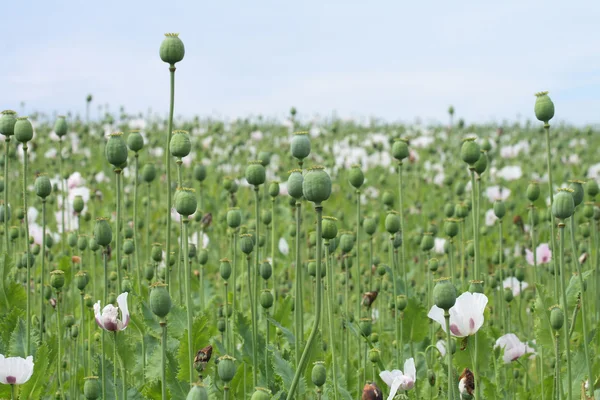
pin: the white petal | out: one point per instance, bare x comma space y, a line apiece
122, 302
409, 368
437, 314
394, 387
284, 248
386, 376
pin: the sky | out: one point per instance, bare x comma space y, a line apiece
396, 60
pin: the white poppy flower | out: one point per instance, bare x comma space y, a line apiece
284, 248
108, 319
513, 347
15, 370
441, 346
466, 316
513, 284
397, 380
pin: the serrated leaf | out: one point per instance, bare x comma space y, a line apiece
177, 388
203, 331
289, 335
16, 346
285, 371
177, 321
34, 388
8, 321
415, 322
543, 332
574, 289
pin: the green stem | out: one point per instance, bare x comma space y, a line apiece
62, 194
449, 357
267, 347
330, 303
103, 331
397, 356
357, 287
13, 394
118, 232
298, 306
28, 266
115, 365
59, 340
558, 390
168, 163
227, 333
82, 324
189, 304
474, 214
401, 212
313, 334
163, 372
180, 271
135, 235
254, 345
43, 253
255, 280
148, 245
561, 228
234, 303
551, 190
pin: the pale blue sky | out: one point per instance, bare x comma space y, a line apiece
393, 59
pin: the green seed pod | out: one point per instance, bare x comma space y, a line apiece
197, 392
8, 209
274, 189
433, 264
128, 247
199, 172
459, 189
225, 268
185, 201
148, 173
74, 331
444, 294
69, 321
544, 107
356, 178
226, 368
300, 145
508, 295
563, 206
81, 280
470, 151
203, 256
47, 292
20, 213
318, 374
499, 209
591, 188
578, 191
294, 183
180, 144
149, 272
160, 300
23, 130
266, 299
13, 232
265, 270
470, 249
330, 229
36, 248
374, 354
234, 218
533, 191
57, 279
43, 187
255, 173
462, 211
246, 243
476, 286
266, 217
427, 242
520, 274
451, 227
116, 150
221, 326
91, 388
102, 232
486, 145
8, 120
261, 394
481, 164
135, 141
172, 49
317, 185
392, 222
557, 317
265, 158
370, 226
60, 126
78, 204
401, 302
449, 210
126, 285
388, 199
365, 326
400, 149
347, 242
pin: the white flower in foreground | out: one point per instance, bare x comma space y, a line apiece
284, 248
513, 284
108, 319
15, 370
466, 316
513, 347
397, 380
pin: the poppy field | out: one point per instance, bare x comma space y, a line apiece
145, 257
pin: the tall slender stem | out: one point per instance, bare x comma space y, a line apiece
551, 190
62, 194
561, 228
28, 264
357, 283
118, 232
252, 311
168, 163
449, 357
59, 340
148, 246
234, 300
105, 256
189, 304
401, 212
255, 278
397, 349
163, 370
330, 304
115, 365
298, 282
135, 233
43, 253
226, 300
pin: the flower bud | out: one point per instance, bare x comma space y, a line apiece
533, 191
203, 256
449, 210
234, 218
8, 120
171, 49
266, 299
226, 368
451, 227
197, 392
102, 232
78, 204
433, 264
185, 201
481, 164
356, 178
91, 388
470, 151
246, 243
180, 144
427, 242
400, 149
225, 268
370, 226
128, 247
508, 295
591, 188
392, 222
557, 317
148, 173
274, 189
347, 242
265, 270
294, 183
43, 187
300, 145
444, 294
563, 206
23, 130
499, 209
149, 272
365, 326
81, 280
544, 108
374, 355
578, 191
135, 141
261, 394
116, 150
160, 300
255, 173
126, 285
401, 302
316, 186
330, 229
318, 374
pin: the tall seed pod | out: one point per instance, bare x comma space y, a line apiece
300, 146
172, 49
316, 186
255, 173
116, 150
544, 107
470, 151
294, 183
180, 144
61, 127
160, 300
102, 232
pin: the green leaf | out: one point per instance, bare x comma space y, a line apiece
34, 388
12, 294
177, 321
574, 288
16, 346
8, 321
542, 329
203, 332
285, 371
177, 388
415, 322
154, 364
289, 335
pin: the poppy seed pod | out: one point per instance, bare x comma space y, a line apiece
91, 388
374, 354
401, 302
81, 280
261, 394
265, 270
128, 247
102, 232
508, 295
481, 164
347, 242
433, 264
78, 204
294, 183
60, 126
451, 227
427, 242
7, 122
116, 150
499, 209
330, 229
578, 192
23, 130
557, 317
544, 107
274, 189
400, 149
444, 294
197, 392
82, 242
172, 49
563, 206
203, 256
160, 300
246, 243
470, 151
265, 158
533, 191
57, 279
318, 374
226, 368
356, 178
476, 286
234, 218
43, 186
255, 173
449, 210
185, 201
266, 299
180, 144
317, 185
148, 173
392, 222
388, 199
93, 243
135, 141
300, 145
370, 226
591, 188
199, 172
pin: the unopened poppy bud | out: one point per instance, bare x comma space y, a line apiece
499, 209
300, 145
557, 317
508, 295
294, 183
481, 164
88, 301
81, 280
78, 204
444, 294
266, 299
172, 49
366, 326
135, 141
43, 187
225, 268
316, 186
544, 107
185, 201
427, 242
149, 272
265, 270
374, 355
451, 227
91, 388
578, 191
102, 232
370, 226
400, 149
8, 120
591, 188
533, 191
347, 242
255, 173
116, 150
180, 144
128, 247
203, 256
246, 243
82, 242
148, 173
160, 300
274, 189
392, 222
433, 264
57, 279
401, 302
356, 178
23, 130
330, 229
226, 368
470, 151
563, 206
318, 374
